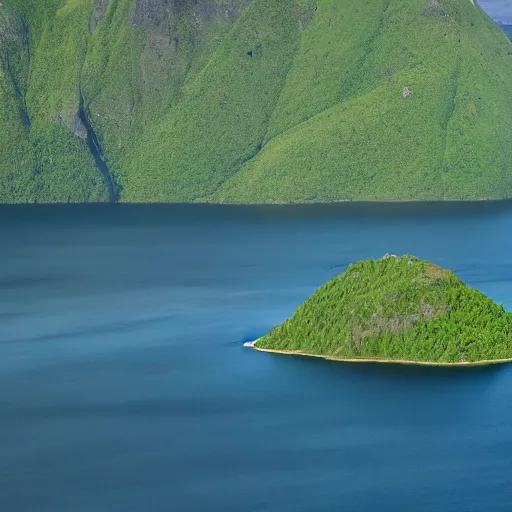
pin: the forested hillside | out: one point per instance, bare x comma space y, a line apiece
253, 101
396, 309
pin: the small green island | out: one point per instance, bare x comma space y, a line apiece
396, 310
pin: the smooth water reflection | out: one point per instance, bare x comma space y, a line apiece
124, 385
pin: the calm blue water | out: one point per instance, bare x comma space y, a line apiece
124, 385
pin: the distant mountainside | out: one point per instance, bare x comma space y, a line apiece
253, 101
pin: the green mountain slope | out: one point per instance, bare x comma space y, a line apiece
253, 101
396, 309
43, 156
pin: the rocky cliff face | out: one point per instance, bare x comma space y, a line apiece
159, 14
98, 11
253, 100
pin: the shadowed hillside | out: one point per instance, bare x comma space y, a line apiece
253, 101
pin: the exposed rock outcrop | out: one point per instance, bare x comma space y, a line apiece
98, 11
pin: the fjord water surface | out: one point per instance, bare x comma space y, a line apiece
124, 385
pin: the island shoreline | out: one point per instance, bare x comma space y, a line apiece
402, 362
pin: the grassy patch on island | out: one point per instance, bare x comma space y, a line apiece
397, 309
